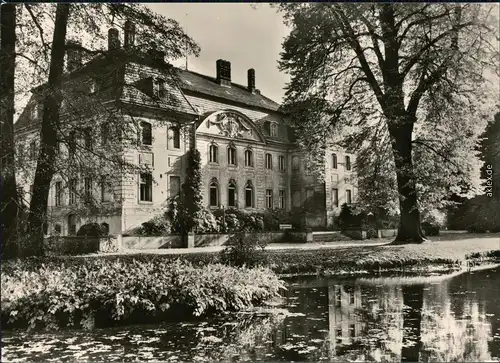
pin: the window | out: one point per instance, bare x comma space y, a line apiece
58, 193
104, 228
159, 87
281, 163
296, 198
248, 158
34, 111
106, 192
231, 155
146, 133
175, 186
348, 196
146, 187
334, 161
282, 199
214, 193
269, 161
309, 193
33, 151
335, 197
295, 163
249, 195
267, 128
231, 194
274, 129
347, 162
87, 137
72, 190
269, 198
57, 229
213, 152
71, 225
104, 134
174, 138
88, 187
72, 144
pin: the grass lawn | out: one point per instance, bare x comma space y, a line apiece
445, 252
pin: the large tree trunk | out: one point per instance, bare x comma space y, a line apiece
9, 207
410, 230
48, 137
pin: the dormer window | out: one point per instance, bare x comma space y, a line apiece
274, 129
92, 86
35, 111
159, 87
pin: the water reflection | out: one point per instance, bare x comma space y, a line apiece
381, 320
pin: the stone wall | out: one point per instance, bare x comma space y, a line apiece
201, 240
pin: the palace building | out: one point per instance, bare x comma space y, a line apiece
249, 156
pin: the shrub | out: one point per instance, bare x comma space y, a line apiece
156, 226
477, 215
89, 230
243, 250
83, 292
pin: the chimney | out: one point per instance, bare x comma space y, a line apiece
157, 55
129, 34
113, 39
251, 80
73, 55
223, 72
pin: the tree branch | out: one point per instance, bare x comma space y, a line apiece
417, 57
37, 24
355, 45
419, 142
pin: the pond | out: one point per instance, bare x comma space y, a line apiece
438, 319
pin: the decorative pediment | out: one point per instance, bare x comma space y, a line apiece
231, 124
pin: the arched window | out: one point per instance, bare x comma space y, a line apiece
334, 161
249, 158
174, 138
249, 195
231, 194
214, 193
146, 133
213, 153
71, 225
231, 154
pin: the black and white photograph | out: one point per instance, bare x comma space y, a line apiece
250, 182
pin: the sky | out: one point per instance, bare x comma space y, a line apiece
245, 35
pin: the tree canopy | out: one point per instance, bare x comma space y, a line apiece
409, 87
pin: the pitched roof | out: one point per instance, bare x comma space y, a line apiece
200, 83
